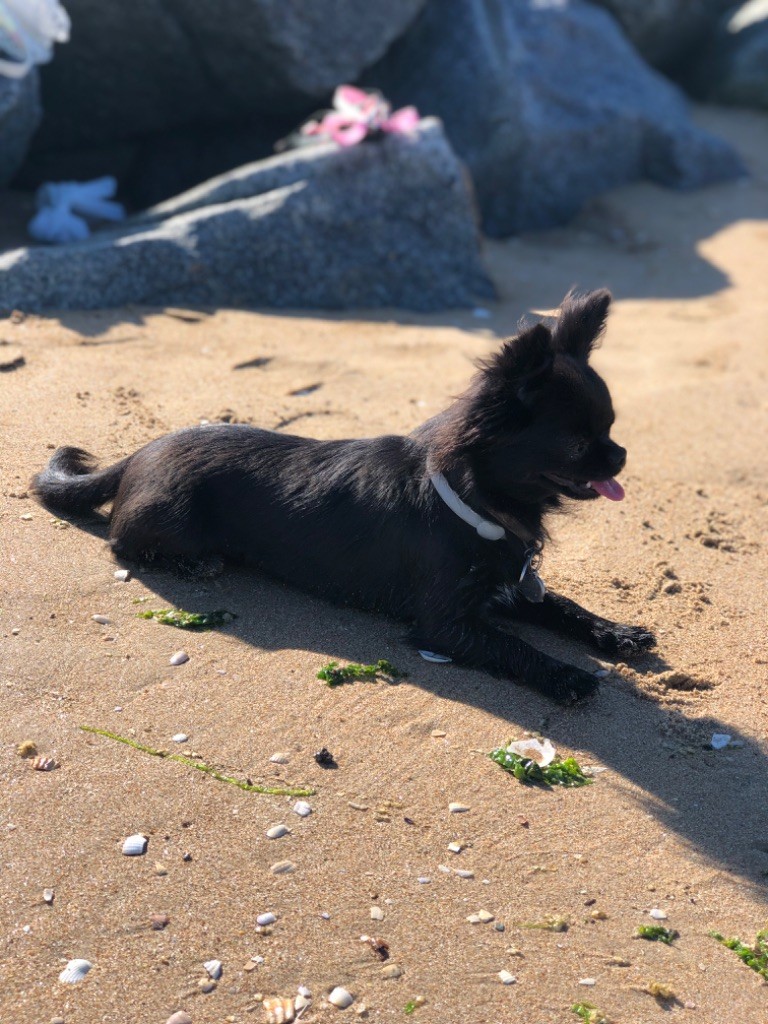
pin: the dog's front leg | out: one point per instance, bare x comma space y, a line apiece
477, 644
564, 616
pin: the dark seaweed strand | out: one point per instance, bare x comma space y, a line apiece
249, 787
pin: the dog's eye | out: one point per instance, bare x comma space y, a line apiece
580, 447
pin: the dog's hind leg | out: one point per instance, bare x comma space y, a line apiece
476, 644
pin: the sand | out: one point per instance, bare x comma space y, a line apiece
668, 824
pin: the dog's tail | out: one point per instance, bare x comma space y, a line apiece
71, 483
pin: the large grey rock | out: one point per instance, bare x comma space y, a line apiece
549, 105
733, 67
666, 31
19, 118
388, 223
144, 66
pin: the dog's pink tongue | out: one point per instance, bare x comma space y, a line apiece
608, 488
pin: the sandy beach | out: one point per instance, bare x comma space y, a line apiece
668, 824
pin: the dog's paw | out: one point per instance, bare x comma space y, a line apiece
568, 684
624, 640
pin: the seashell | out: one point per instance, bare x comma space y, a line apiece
277, 832
301, 1002
455, 847
458, 808
180, 1017
437, 659
48, 896
463, 874
213, 969
540, 751
135, 846
123, 575
75, 971
280, 759
657, 915
588, 982
268, 918
179, 658
279, 1010
283, 867
506, 978
304, 991
27, 749
302, 808
377, 914
180, 737
102, 620
341, 998
44, 764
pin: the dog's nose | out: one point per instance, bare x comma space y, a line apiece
617, 456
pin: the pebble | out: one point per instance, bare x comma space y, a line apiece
283, 867
60, 1020
180, 1017
481, 917
123, 575
280, 759
390, 971
458, 808
463, 874
657, 915
268, 918
179, 658
213, 969
357, 807
48, 896
589, 982
455, 847
206, 985
506, 978
27, 748
302, 808
101, 619
160, 869
341, 998
377, 914
602, 673
423, 880
438, 733
180, 737
135, 846
277, 832
499, 927
159, 921
720, 740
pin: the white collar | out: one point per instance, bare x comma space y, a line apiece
486, 529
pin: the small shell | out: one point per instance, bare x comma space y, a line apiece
657, 915
180, 737
48, 896
301, 1002
264, 919
44, 764
279, 1010
437, 659
277, 832
75, 971
179, 658
123, 575
135, 846
341, 998
458, 808
588, 982
180, 1017
455, 847
302, 808
506, 978
304, 991
283, 867
213, 969
377, 914
540, 751
102, 620
463, 874
280, 759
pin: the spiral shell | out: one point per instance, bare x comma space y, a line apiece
279, 1010
44, 764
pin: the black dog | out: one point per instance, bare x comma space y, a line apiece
442, 528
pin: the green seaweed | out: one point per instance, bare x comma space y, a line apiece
556, 773
188, 620
410, 1007
550, 923
589, 1013
335, 676
249, 787
657, 933
755, 956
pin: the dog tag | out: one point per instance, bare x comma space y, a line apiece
438, 659
531, 586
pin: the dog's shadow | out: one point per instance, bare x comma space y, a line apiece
664, 751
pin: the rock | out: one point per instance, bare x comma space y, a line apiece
20, 114
666, 31
157, 66
733, 66
320, 227
548, 104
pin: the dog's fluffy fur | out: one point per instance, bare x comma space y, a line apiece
359, 521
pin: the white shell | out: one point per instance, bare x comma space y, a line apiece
135, 846
280, 759
377, 914
304, 991
455, 847
48, 895
283, 867
301, 1002
179, 658
437, 659
279, 1010
506, 978
302, 808
277, 832
180, 737
44, 764
102, 620
123, 575
540, 751
180, 1017
268, 918
213, 969
457, 808
588, 982
657, 915
341, 998
75, 971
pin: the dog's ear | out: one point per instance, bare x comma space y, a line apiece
527, 357
580, 322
